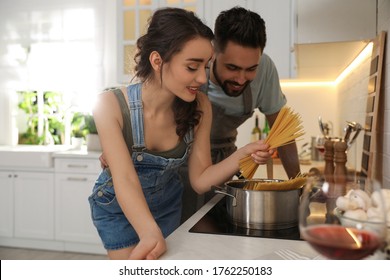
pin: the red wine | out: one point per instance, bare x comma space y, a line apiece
340, 243
321, 149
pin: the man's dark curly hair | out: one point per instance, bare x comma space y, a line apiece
240, 26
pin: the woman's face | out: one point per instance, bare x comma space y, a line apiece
186, 71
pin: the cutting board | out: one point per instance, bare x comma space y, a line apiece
373, 136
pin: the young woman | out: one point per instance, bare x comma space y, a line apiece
147, 130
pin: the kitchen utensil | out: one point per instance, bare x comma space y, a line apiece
352, 127
348, 131
269, 210
324, 130
305, 151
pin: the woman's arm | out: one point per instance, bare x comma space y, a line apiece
202, 173
109, 123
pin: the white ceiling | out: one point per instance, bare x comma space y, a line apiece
325, 61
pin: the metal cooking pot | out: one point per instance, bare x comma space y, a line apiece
266, 210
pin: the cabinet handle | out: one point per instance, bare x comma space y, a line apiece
77, 165
9, 175
15, 176
77, 179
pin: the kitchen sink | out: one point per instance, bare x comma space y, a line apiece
36, 156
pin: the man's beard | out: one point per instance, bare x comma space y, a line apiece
224, 85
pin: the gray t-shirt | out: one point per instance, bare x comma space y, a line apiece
267, 95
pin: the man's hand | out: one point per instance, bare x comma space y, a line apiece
103, 162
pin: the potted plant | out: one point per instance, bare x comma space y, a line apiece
93, 142
79, 131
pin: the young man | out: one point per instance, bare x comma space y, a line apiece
241, 79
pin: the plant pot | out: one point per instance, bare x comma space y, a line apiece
77, 142
93, 143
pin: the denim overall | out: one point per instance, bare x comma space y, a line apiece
160, 183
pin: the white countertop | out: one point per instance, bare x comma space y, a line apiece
78, 153
185, 245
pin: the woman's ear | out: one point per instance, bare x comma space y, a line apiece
155, 60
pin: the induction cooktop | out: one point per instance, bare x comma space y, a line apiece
216, 221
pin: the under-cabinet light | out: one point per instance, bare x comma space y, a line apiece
363, 55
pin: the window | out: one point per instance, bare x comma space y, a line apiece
50, 46
132, 23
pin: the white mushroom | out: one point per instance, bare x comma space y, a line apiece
376, 198
361, 198
374, 214
354, 199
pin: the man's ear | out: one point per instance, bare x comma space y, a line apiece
155, 60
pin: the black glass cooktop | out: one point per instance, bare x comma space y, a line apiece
216, 221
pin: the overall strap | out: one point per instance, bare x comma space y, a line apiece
126, 131
136, 113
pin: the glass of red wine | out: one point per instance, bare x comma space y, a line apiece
343, 218
320, 144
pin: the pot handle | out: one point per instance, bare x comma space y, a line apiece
220, 190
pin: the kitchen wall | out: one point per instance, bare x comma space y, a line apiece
310, 102
351, 105
384, 149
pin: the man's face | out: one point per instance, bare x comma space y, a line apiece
235, 68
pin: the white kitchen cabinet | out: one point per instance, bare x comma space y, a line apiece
47, 208
278, 17
335, 21
7, 204
74, 180
27, 207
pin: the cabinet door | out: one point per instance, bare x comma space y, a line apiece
73, 215
213, 8
34, 205
77, 166
6, 204
278, 17
335, 21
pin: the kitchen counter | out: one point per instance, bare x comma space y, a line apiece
78, 153
185, 245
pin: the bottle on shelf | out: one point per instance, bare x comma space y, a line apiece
256, 131
266, 129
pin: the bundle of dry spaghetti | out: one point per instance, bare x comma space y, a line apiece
286, 128
280, 185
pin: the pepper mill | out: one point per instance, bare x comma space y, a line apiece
329, 164
340, 171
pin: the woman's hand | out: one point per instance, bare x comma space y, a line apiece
259, 151
150, 247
